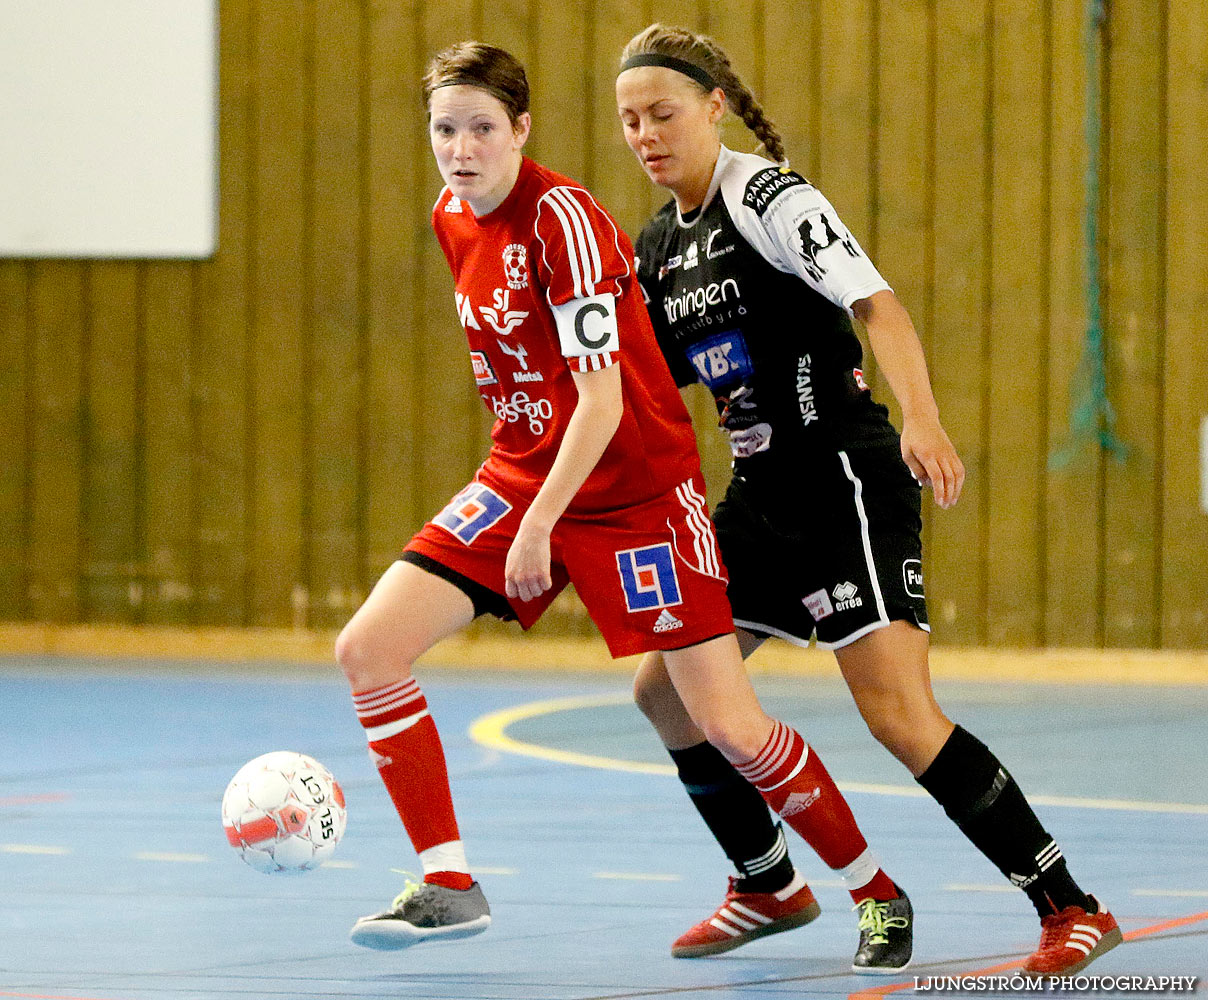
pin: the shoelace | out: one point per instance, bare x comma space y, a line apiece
875, 919
410, 888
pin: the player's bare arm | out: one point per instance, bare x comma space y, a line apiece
926, 447
592, 425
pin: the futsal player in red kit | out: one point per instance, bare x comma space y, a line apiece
592, 478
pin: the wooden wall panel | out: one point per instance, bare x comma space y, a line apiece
334, 527
252, 439
957, 344
15, 398
165, 485
280, 312
1134, 319
1016, 446
789, 84
57, 300
1074, 480
903, 168
613, 173
1184, 527
221, 358
113, 410
396, 224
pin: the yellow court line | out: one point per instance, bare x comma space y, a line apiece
33, 849
497, 648
490, 731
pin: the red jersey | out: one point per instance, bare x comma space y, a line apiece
545, 285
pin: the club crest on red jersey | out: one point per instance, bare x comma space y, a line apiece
515, 266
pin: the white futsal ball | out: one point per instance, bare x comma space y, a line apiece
283, 812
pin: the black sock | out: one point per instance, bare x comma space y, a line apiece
737, 816
982, 799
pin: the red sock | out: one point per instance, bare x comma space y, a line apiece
406, 747
799, 789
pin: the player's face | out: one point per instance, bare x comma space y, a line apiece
671, 128
477, 149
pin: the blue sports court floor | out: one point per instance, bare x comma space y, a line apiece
116, 882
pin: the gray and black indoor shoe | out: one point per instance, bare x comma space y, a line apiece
424, 912
886, 936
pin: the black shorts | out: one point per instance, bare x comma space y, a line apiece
839, 554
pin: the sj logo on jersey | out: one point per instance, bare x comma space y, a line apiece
648, 577
722, 359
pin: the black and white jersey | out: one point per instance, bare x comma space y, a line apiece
752, 297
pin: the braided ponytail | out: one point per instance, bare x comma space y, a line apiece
704, 53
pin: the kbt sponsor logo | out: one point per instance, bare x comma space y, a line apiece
520, 404
845, 595
697, 300
722, 359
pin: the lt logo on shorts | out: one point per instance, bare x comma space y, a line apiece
471, 512
648, 577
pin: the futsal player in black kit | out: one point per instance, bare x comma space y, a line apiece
751, 279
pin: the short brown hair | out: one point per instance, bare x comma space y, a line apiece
488, 67
705, 54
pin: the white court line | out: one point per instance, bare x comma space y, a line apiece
638, 876
33, 849
338, 864
158, 856
488, 870
491, 731
979, 887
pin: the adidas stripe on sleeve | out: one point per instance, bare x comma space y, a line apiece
583, 267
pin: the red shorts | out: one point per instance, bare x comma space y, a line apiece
651, 575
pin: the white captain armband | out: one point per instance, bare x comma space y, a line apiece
588, 326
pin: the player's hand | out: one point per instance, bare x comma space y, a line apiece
932, 459
526, 574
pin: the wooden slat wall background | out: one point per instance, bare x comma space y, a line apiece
251, 439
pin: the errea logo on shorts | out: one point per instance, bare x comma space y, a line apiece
845, 596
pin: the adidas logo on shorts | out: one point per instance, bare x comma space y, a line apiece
667, 622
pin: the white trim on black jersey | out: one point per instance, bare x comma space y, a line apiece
773, 231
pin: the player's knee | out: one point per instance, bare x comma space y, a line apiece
738, 740
894, 730
365, 659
